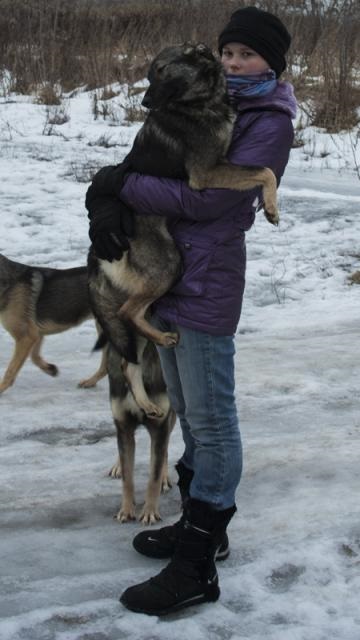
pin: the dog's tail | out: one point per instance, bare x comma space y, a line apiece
115, 332
100, 342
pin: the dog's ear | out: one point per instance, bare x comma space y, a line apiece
188, 48
204, 51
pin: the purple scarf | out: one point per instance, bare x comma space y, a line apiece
256, 85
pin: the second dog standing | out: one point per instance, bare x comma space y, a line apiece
128, 417
40, 301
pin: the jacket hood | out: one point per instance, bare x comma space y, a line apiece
282, 98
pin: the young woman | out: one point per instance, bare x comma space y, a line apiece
204, 308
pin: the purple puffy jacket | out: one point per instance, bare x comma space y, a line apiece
209, 226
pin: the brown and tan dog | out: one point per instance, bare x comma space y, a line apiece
40, 301
128, 417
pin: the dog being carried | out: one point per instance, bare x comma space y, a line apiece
40, 301
186, 134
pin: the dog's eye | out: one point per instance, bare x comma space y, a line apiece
160, 69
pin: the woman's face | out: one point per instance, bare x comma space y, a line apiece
238, 59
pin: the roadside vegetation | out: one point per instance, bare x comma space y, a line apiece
52, 47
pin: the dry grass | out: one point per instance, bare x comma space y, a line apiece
354, 278
48, 95
72, 43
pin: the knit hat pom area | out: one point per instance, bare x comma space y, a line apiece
261, 31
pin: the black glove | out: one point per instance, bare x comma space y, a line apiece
107, 182
112, 223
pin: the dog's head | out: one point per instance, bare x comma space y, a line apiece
184, 73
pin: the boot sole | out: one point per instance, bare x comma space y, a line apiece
219, 556
212, 595
222, 555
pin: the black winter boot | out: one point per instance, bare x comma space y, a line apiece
191, 577
161, 543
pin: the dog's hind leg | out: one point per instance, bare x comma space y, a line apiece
50, 369
230, 176
133, 311
134, 376
23, 347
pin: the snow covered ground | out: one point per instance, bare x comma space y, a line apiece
294, 570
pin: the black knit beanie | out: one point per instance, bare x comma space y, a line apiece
261, 31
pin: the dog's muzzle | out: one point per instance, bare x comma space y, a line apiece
146, 101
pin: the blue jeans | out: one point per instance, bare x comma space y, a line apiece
199, 374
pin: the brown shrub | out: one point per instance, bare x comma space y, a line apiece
74, 43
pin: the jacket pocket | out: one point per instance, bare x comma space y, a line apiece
196, 257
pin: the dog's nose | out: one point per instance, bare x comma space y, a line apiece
146, 101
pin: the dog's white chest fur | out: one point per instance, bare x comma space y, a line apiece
115, 271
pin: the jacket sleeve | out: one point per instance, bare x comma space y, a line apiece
175, 199
266, 143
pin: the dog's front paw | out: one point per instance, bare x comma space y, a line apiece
170, 339
125, 515
165, 484
149, 516
115, 471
